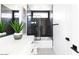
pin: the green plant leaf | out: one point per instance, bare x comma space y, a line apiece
17, 26
2, 27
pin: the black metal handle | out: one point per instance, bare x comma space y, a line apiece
55, 24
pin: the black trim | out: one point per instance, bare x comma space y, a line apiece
74, 48
13, 12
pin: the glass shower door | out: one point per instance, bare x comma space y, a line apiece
42, 25
39, 24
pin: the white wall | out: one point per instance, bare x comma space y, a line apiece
23, 17
40, 7
66, 17
13, 6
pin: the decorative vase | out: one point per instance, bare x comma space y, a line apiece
2, 34
17, 36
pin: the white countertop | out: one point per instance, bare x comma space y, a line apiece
8, 45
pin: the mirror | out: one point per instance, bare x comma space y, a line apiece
7, 16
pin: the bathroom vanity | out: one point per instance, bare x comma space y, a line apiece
10, 46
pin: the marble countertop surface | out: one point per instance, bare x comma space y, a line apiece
8, 45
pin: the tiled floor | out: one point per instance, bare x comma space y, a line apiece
45, 51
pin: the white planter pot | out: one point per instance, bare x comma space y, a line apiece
17, 36
2, 34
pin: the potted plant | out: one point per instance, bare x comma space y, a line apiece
17, 28
2, 29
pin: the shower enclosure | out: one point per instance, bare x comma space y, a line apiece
39, 21
40, 24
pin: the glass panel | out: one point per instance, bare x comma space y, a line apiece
16, 15
40, 15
